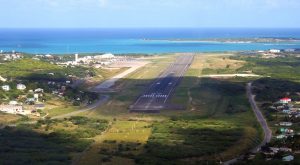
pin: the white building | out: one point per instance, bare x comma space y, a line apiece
289, 50
13, 102
6, 87
13, 109
48, 56
286, 124
104, 56
274, 51
76, 58
288, 158
39, 90
36, 97
21, 86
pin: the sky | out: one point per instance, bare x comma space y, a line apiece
149, 13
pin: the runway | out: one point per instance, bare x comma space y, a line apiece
156, 97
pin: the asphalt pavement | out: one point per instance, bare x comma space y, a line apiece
156, 97
260, 118
262, 121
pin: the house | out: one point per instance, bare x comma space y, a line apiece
13, 103
48, 56
285, 123
6, 87
39, 90
289, 50
281, 136
30, 101
21, 86
274, 51
285, 100
36, 96
285, 149
287, 131
108, 55
288, 158
12, 109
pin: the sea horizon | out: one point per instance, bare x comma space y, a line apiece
139, 40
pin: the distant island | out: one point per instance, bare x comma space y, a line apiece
234, 40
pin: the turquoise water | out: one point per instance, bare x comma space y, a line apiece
59, 41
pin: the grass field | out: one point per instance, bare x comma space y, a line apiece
56, 106
48, 141
119, 144
287, 68
28, 68
102, 75
220, 126
8, 118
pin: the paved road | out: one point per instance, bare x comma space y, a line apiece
260, 118
156, 96
262, 121
101, 101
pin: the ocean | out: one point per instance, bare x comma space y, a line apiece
151, 41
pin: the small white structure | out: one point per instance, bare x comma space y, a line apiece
13, 109
6, 87
286, 124
76, 58
275, 51
39, 90
289, 50
288, 158
21, 86
36, 96
48, 56
108, 55
13, 102
281, 136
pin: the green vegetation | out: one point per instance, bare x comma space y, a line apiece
120, 144
21, 146
278, 68
220, 126
48, 141
218, 123
39, 70
6, 119
271, 90
283, 81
